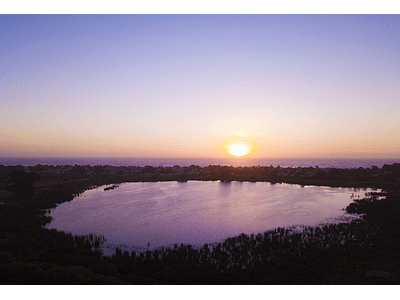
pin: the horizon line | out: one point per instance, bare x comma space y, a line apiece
183, 157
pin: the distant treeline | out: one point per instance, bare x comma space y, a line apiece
387, 176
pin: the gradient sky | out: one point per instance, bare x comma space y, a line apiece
181, 85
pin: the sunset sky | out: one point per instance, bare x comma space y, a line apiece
184, 85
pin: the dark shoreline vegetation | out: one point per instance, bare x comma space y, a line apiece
364, 251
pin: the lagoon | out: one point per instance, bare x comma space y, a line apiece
143, 215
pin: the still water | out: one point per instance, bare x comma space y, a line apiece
196, 212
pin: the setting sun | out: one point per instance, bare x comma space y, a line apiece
238, 149
238, 145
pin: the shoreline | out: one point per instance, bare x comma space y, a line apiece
84, 175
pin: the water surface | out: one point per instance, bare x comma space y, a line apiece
197, 212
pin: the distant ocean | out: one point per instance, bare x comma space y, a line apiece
202, 162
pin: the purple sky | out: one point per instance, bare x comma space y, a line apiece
182, 85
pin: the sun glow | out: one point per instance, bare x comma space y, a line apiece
238, 145
238, 149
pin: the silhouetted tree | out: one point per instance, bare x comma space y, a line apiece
374, 169
98, 169
78, 169
334, 173
225, 173
147, 169
22, 183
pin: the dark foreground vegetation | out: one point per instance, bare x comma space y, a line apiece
364, 251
